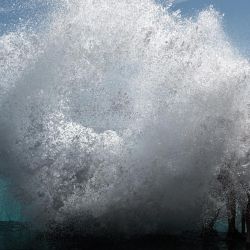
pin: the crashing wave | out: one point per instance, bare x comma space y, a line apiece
118, 110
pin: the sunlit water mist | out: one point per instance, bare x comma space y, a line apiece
116, 113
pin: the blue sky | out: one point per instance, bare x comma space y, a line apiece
236, 19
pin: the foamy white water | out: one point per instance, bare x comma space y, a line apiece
118, 111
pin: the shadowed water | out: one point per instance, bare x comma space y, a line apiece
14, 237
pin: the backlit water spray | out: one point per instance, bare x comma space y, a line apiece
114, 113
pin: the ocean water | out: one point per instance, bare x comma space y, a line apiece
115, 114
26, 240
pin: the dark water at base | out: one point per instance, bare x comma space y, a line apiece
19, 241
17, 238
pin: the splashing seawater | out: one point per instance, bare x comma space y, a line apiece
117, 111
